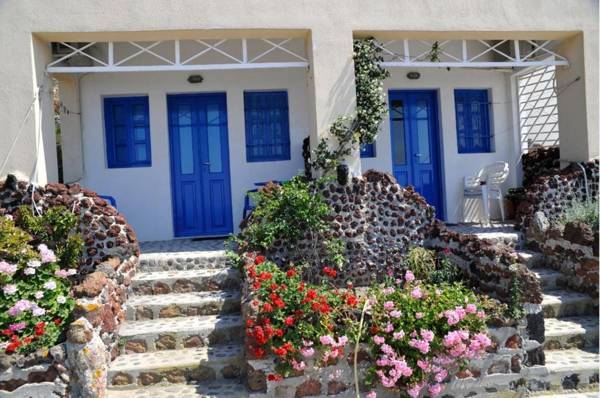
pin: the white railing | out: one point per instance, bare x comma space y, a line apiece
174, 55
470, 53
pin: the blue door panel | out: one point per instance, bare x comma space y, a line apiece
200, 176
415, 143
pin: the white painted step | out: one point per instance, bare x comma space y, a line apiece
572, 361
177, 366
221, 389
562, 303
530, 258
183, 332
548, 277
571, 332
181, 254
182, 281
183, 304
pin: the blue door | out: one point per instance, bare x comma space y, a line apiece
200, 180
415, 143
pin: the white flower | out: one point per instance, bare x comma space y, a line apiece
71, 271
39, 294
8, 217
29, 271
50, 285
61, 299
9, 289
34, 263
37, 311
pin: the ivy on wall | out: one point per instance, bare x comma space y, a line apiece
371, 108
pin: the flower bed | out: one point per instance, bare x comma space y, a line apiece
72, 358
414, 336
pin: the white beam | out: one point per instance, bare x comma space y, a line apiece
166, 68
507, 64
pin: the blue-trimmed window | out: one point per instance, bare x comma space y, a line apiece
367, 150
267, 126
473, 122
127, 127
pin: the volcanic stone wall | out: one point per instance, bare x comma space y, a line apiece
377, 221
540, 161
100, 288
553, 193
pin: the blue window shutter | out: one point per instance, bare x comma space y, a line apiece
127, 129
473, 131
367, 150
267, 126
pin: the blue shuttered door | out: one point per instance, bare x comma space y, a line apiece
200, 177
415, 148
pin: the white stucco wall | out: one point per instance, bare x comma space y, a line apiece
144, 193
455, 165
328, 25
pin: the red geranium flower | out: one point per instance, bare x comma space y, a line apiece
291, 273
274, 377
351, 300
289, 321
7, 332
259, 260
265, 276
267, 307
330, 272
258, 352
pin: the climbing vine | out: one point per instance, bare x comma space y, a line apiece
371, 108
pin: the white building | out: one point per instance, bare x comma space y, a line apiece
178, 154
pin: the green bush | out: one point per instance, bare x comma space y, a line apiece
432, 267
288, 213
37, 256
586, 212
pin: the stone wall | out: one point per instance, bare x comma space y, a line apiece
540, 161
377, 220
553, 193
487, 266
572, 250
100, 289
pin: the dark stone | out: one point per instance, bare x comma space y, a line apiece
570, 382
535, 327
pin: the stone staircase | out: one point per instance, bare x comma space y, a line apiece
571, 318
183, 336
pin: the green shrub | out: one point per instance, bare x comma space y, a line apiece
432, 267
586, 212
37, 256
288, 213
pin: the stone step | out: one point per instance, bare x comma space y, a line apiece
571, 332
176, 333
182, 254
183, 261
561, 303
572, 368
190, 365
183, 304
532, 259
220, 389
195, 280
549, 278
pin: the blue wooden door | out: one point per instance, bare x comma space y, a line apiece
415, 143
200, 178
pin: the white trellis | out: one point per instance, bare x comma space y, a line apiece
233, 53
470, 53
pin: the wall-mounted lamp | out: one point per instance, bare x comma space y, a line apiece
413, 75
194, 79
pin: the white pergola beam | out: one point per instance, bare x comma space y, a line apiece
165, 68
491, 64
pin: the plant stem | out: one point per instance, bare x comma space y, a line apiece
357, 346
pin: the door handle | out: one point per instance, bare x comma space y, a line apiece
418, 155
205, 163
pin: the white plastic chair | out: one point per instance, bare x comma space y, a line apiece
486, 185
